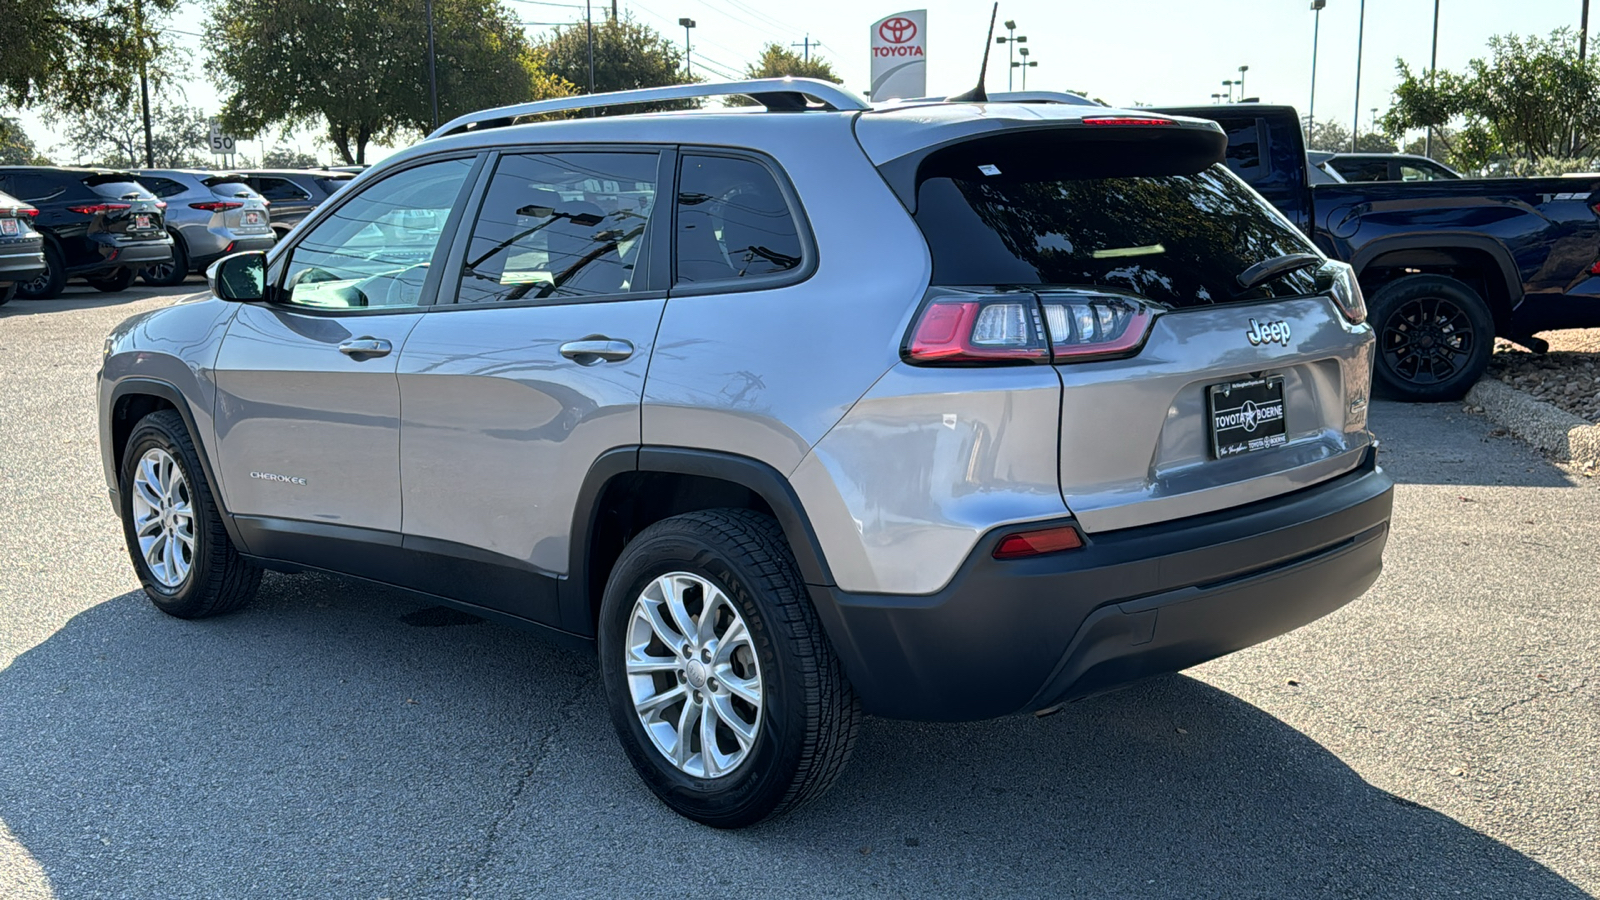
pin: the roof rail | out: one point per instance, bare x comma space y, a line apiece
1062, 97
776, 94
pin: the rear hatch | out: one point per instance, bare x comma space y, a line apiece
122, 208
1209, 355
236, 207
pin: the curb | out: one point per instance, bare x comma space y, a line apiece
1547, 427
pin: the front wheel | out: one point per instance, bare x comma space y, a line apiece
728, 699
1435, 335
173, 527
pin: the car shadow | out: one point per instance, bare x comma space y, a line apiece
340, 740
1439, 443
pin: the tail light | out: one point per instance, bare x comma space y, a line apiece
94, 209
161, 204
216, 205
994, 329
1339, 280
1024, 544
18, 212
1126, 120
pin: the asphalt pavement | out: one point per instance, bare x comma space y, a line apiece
1436, 738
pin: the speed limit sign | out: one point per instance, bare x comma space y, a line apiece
221, 144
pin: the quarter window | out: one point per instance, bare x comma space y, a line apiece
282, 189
733, 222
161, 187
375, 249
559, 226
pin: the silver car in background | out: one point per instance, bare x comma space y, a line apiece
209, 215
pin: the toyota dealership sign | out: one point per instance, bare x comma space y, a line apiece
900, 55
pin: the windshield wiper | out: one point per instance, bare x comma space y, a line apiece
1268, 269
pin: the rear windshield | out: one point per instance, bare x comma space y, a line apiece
116, 189
1180, 239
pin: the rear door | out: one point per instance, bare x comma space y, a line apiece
533, 364
1185, 389
308, 407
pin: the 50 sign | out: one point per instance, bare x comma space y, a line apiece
222, 144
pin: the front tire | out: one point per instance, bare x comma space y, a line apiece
8, 292
1435, 335
173, 528
114, 282
726, 695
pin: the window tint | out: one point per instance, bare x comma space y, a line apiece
331, 185
31, 187
1178, 239
1423, 172
561, 225
1246, 146
116, 190
375, 249
733, 222
282, 189
1362, 169
161, 187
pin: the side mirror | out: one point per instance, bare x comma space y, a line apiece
241, 277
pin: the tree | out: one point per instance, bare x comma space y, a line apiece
1374, 142
1530, 98
112, 134
16, 148
281, 157
776, 62
1328, 135
73, 54
354, 67
627, 55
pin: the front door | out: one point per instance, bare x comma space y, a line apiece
535, 369
308, 408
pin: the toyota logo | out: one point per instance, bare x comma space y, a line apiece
1249, 414
897, 30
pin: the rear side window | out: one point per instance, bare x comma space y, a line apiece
161, 187
1247, 145
282, 189
116, 189
1019, 216
733, 222
561, 226
1362, 169
32, 187
330, 185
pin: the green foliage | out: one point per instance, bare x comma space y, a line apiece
281, 157
1530, 98
112, 134
1373, 142
16, 148
72, 54
359, 68
1330, 136
776, 62
627, 55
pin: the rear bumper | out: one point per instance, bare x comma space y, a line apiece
21, 261
110, 254
216, 246
1025, 635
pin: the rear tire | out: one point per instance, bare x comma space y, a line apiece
1435, 335
179, 547
734, 566
116, 281
172, 272
7, 293
51, 282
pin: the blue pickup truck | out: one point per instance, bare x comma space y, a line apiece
1445, 265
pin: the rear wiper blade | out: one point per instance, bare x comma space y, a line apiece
1268, 269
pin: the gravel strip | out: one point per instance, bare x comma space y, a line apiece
1568, 377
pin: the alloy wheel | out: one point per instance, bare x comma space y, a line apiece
693, 675
1427, 340
163, 517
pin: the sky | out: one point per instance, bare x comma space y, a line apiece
1158, 52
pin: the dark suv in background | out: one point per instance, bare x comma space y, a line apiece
99, 225
294, 193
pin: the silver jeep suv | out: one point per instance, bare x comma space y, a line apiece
944, 410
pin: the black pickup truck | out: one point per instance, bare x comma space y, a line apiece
1445, 265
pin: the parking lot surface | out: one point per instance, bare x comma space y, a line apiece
1435, 738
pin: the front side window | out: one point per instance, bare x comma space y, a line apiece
375, 249
282, 189
561, 226
733, 222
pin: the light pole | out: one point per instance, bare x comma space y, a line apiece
688, 65
433, 78
1216, 98
1026, 65
1228, 83
1240, 82
1316, 32
1355, 119
1011, 42
1433, 63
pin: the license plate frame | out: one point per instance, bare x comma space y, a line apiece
143, 221
10, 227
251, 217
1248, 415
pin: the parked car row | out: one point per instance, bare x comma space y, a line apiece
108, 227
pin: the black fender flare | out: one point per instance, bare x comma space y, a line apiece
167, 391
1448, 241
753, 474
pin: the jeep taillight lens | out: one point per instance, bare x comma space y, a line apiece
1092, 326
1339, 280
975, 329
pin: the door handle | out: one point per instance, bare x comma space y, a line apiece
366, 348
595, 349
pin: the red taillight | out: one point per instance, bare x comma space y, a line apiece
94, 209
216, 205
1595, 269
18, 212
1037, 543
969, 329
161, 204
1086, 326
1126, 120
